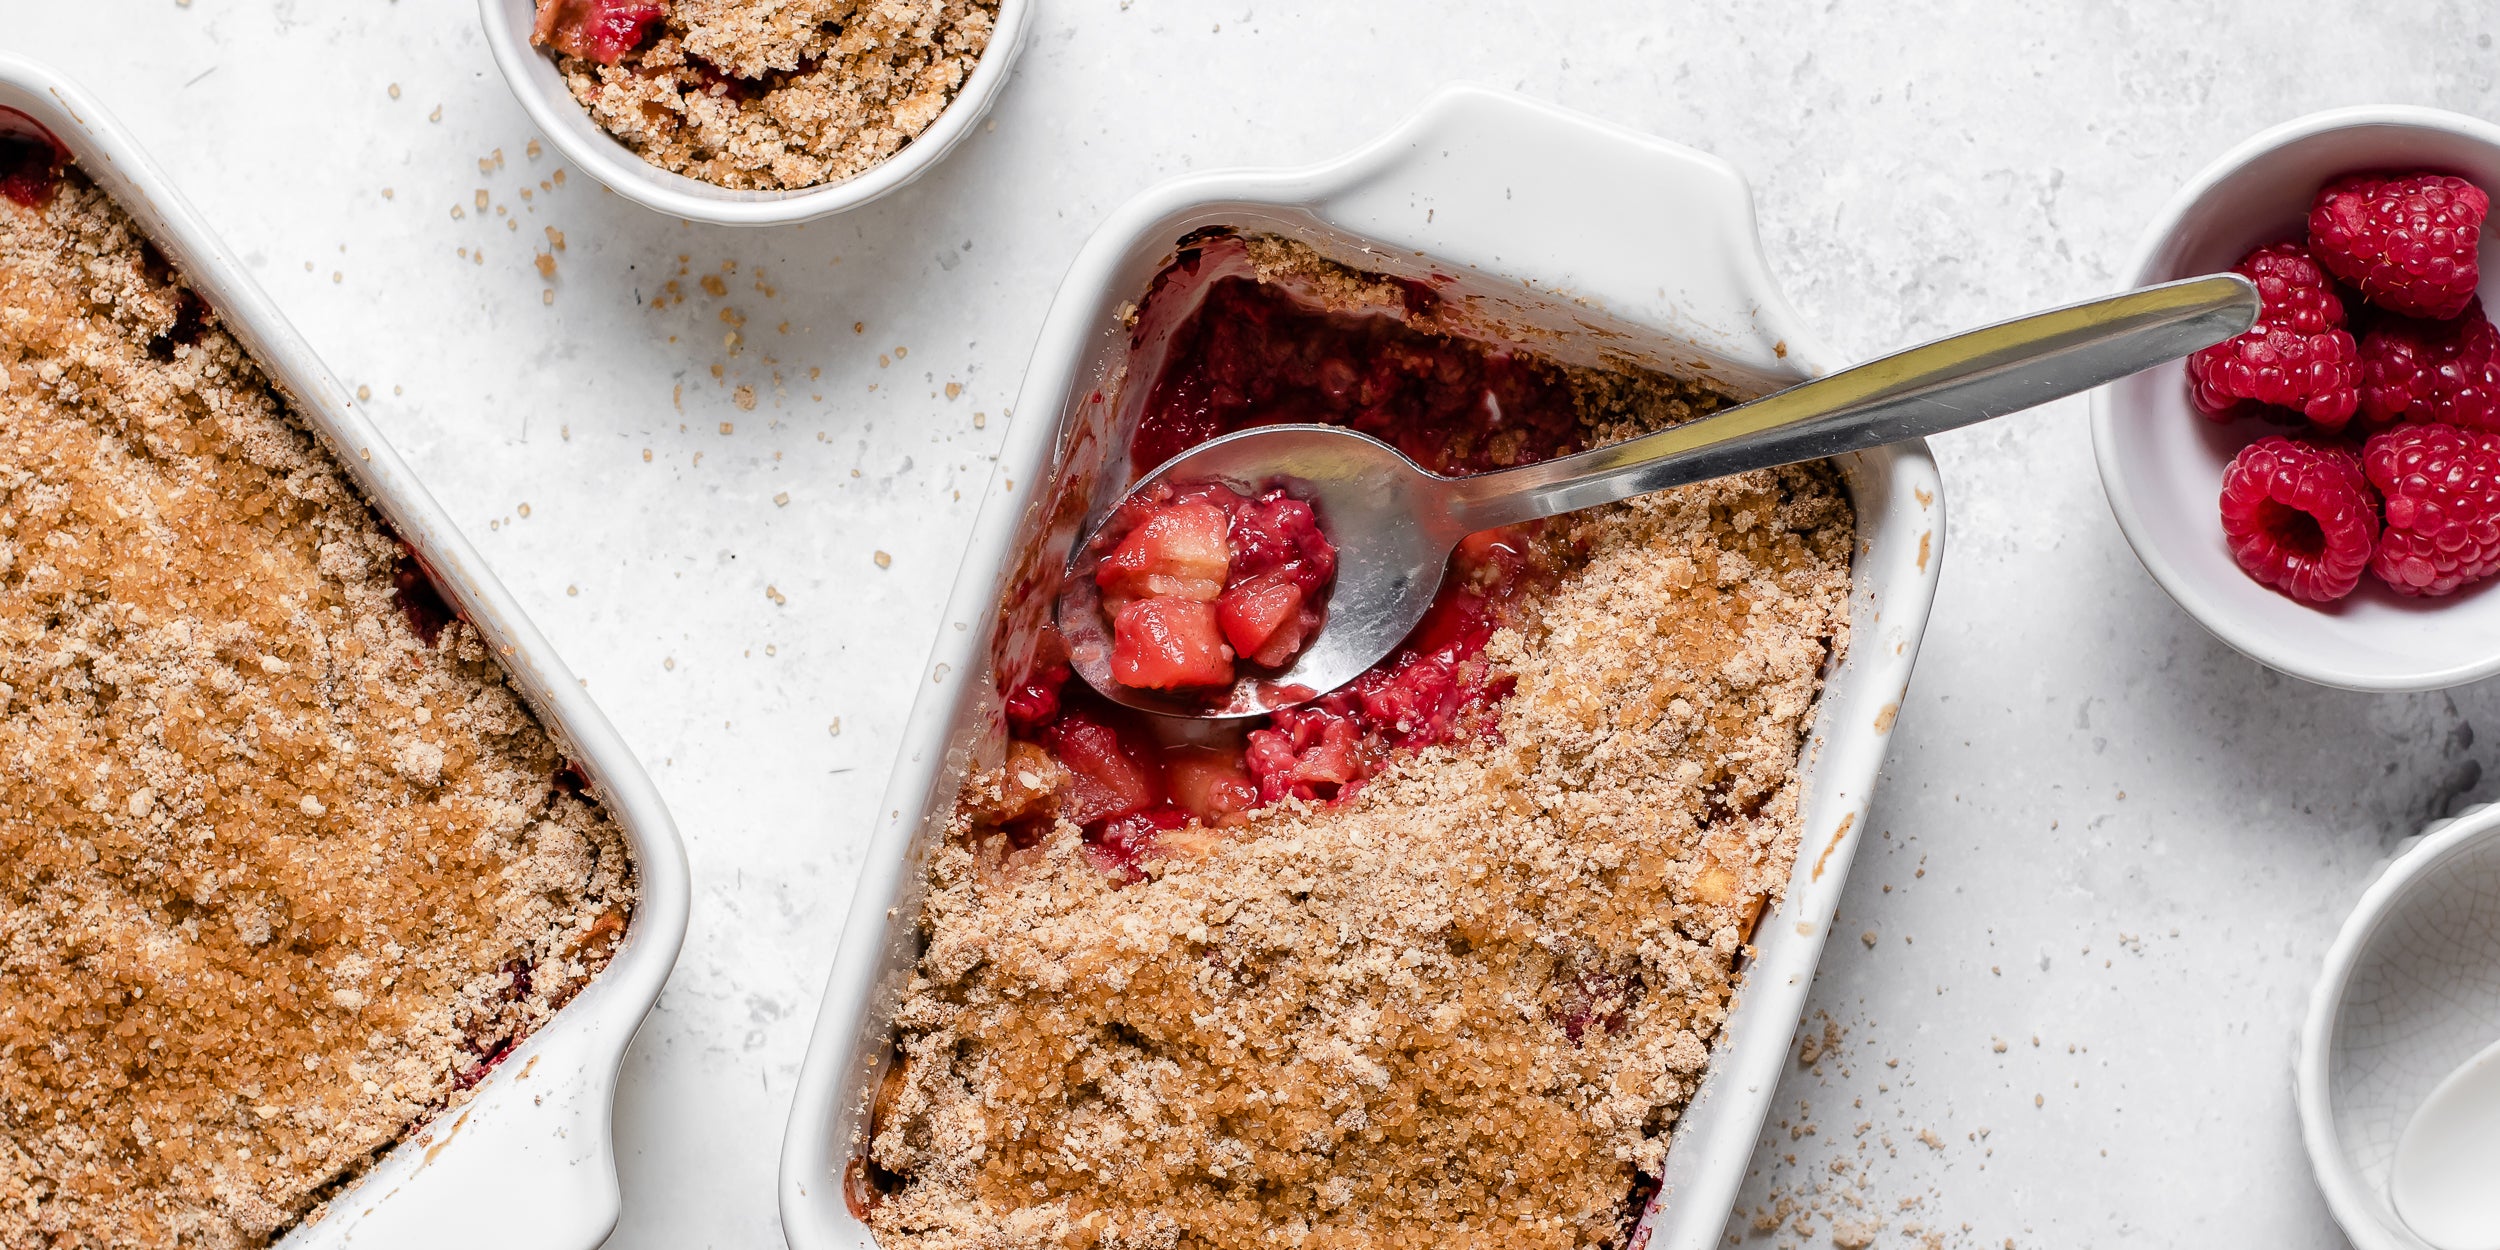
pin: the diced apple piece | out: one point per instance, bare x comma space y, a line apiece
1262, 618
1107, 776
1211, 784
1169, 643
1179, 550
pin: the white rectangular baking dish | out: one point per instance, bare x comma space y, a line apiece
1599, 244
527, 1161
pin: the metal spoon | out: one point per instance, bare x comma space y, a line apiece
1395, 524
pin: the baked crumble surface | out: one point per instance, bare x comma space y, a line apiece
1467, 1002
278, 876
784, 94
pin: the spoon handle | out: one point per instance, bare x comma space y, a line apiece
1939, 386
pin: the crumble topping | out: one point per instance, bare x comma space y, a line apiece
1468, 1001
783, 94
285, 865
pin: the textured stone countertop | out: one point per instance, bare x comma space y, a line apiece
2104, 839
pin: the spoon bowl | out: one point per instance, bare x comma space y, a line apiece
1394, 524
1393, 537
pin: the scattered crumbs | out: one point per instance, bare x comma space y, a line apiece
394, 90
782, 500
728, 428
364, 392
954, 390
884, 560
980, 420
774, 593
834, 729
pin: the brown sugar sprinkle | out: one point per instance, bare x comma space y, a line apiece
783, 94
280, 875
1468, 1003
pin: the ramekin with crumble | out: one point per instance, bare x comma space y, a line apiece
765, 94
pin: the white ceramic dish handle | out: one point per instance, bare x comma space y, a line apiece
1500, 183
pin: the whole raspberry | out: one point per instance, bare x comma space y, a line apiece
2297, 356
2446, 371
2407, 240
2299, 516
2443, 506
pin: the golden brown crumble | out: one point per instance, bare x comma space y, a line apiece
784, 94
277, 877
1466, 1004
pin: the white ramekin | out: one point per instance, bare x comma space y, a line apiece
527, 1161
2161, 463
532, 75
2410, 990
1600, 242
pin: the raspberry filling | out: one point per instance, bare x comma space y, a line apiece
1206, 582
596, 30
31, 160
1253, 355
1203, 579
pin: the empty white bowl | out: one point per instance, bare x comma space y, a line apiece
2161, 463
2411, 990
532, 75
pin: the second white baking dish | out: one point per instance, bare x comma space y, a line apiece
1605, 246
527, 1161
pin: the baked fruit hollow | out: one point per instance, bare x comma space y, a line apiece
285, 865
1447, 949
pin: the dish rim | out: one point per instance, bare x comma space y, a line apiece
509, 1140
531, 75
2348, 1198
2182, 588
1377, 193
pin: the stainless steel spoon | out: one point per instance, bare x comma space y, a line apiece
1395, 524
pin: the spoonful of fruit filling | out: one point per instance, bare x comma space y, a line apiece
1201, 582
1267, 567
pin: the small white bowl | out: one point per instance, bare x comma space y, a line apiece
2411, 989
2161, 463
532, 75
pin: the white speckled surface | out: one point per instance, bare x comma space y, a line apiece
2100, 827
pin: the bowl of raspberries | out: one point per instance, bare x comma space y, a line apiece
2323, 492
